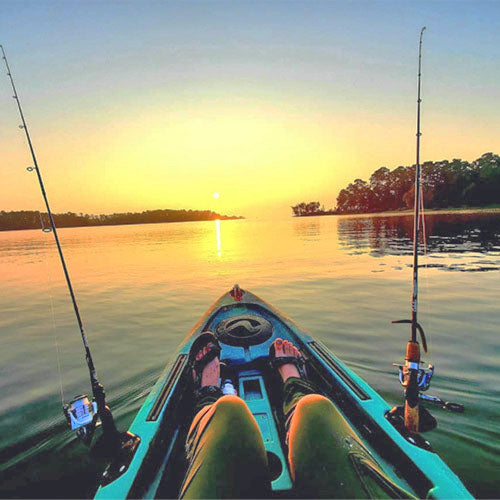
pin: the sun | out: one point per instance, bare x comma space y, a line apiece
216, 196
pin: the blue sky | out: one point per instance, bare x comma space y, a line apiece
85, 66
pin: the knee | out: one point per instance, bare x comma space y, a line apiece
232, 406
317, 412
234, 416
230, 400
315, 403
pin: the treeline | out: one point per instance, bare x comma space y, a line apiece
445, 184
311, 208
30, 219
306, 208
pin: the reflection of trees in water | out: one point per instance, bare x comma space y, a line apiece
307, 228
450, 233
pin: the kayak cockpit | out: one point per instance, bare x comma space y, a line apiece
246, 329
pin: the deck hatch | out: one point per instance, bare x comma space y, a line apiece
326, 358
252, 389
167, 388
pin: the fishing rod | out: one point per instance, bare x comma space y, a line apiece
79, 412
412, 376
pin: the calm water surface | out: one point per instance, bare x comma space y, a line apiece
141, 289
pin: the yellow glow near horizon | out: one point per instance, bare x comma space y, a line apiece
256, 156
268, 110
263, 156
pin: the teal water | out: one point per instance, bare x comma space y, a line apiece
142, 288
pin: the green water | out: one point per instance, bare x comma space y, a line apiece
141, 289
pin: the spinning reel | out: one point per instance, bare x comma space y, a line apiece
423, 378
81, 415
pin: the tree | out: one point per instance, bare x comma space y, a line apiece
380, 185
444, 184
310, 208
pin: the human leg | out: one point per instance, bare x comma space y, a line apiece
225, 452
327, 458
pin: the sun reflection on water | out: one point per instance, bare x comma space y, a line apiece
217, 232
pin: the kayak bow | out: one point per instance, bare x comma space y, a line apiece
246, 326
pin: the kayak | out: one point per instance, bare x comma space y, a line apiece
154, 463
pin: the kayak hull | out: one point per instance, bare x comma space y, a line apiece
247, 326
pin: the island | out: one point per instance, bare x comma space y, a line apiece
310, 209
32, 219
445, 184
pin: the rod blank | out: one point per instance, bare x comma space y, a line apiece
93, 375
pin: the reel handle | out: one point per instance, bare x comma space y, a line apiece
455, 407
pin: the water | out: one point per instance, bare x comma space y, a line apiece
141, 289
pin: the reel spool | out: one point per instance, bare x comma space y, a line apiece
81, 415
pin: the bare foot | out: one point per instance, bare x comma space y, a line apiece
211, 372
286, 348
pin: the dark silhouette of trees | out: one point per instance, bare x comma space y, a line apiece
311, 208
445, 184
31, 219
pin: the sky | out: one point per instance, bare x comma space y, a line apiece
143, 105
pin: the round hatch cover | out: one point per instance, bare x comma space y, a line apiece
244, 330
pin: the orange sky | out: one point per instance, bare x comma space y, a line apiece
267, 122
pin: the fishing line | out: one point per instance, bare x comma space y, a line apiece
54, 325
412, 376
426, 256
35, 168
422, 219
80, 405
97, 388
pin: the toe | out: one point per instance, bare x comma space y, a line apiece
283, 348
278, 347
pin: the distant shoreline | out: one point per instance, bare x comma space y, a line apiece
124, 224
314, 214
32, 219
409, 211
447, 186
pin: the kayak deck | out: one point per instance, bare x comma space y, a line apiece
246, 330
